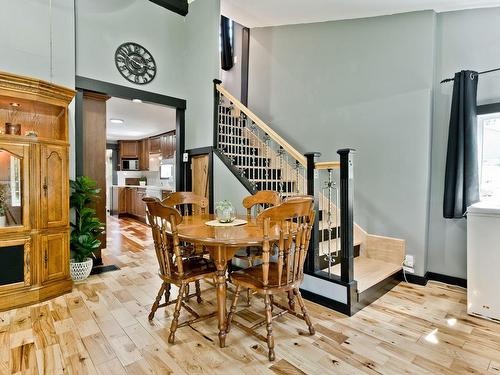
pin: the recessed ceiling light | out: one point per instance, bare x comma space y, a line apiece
15, 104
116, 120
137, 100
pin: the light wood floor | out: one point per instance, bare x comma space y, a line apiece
102, 327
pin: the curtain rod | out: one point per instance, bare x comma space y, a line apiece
486, 71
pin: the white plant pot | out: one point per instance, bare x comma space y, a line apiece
3, 221
80, 270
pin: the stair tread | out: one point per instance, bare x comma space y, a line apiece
369, 271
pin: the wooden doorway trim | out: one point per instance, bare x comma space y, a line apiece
202, 151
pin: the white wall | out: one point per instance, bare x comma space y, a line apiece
365, 84
465, 40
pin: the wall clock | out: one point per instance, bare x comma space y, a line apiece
135, 63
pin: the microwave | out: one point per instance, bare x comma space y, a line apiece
130, 165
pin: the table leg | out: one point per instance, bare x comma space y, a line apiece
221, 265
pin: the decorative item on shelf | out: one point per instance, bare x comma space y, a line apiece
86, 227
11, 127
142, 181
31, 133
3, 204
225, 212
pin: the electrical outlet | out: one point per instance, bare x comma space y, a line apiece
408, 269
409, 261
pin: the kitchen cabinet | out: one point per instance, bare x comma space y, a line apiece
144, 155
128, 201
155, 145
168, 144
129, 149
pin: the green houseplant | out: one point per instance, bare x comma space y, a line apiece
85, 226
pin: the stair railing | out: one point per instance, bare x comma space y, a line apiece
259, 154
263, 160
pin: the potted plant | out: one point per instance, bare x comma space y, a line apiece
3, 204
225, 212
85, 228
142, 181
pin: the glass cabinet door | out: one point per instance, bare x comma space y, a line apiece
13, 165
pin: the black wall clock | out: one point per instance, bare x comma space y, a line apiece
135, 63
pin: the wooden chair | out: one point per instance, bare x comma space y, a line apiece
261, 200
187, 202
293, 220
174, 267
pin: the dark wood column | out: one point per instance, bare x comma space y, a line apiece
92, 144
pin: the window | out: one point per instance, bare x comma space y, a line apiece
489, 155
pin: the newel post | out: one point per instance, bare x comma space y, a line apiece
346, 214
312, 261
216, 113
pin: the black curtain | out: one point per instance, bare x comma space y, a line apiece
226, 55
461, 186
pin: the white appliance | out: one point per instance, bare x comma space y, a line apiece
130, 165
483, 260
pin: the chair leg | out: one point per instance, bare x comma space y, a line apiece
271, 299
304, 311
249, 297
198, 291
187, 293
291, 300
232, 311
157, 302
177, 311
269, 327
167, 293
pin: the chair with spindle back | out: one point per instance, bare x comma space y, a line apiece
293, 221
188, 203
261, 200
174, 267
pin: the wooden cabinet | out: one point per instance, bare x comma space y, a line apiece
140, 206
130, 202
55, 256
129, 149
155, 145
55, 183
168, 144
144, 155
34, 234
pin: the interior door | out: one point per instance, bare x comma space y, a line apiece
55, 186
200, 175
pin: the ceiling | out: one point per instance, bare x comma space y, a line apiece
141, 120
259, 13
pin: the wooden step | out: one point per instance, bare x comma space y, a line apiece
368, 271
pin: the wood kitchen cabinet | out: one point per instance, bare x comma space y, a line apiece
144, 155
168, 144
129, 149
155, 145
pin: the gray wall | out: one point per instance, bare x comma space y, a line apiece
365, 84
231, 79
465, 40
27, 27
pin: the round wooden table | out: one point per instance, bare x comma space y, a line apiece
222, 243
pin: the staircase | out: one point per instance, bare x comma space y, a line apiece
262, 160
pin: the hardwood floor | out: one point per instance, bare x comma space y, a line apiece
102, 328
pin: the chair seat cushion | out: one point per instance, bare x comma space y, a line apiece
252, 277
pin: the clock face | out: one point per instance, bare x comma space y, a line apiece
135, 63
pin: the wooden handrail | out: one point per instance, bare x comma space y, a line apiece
327, 165
275, 136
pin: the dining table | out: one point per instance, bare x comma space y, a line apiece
221, 243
